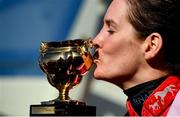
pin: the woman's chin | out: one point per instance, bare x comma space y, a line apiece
97, 75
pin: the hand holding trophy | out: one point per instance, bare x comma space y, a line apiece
64, 63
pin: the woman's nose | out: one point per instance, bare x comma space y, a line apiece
97, 41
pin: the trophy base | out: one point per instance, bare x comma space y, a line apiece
63, 109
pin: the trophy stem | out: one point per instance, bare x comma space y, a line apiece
64, 93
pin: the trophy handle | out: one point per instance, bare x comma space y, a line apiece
85, 54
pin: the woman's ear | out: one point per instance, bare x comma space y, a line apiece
152, 45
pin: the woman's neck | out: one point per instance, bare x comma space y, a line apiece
144, 76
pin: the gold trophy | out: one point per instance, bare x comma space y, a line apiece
65, 63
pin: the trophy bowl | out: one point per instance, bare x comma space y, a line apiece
65, 63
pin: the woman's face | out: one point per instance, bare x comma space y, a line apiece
119, 49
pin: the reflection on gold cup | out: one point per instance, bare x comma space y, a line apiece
65, 63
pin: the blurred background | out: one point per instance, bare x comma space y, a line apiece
23, 25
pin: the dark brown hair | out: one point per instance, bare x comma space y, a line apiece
161, 16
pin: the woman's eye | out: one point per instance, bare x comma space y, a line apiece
110, 31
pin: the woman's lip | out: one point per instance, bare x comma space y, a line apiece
96, 55
96, 60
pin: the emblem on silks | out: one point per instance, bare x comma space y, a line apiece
65, 63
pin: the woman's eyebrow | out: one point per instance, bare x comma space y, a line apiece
111, 22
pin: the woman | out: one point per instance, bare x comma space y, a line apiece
137, 50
